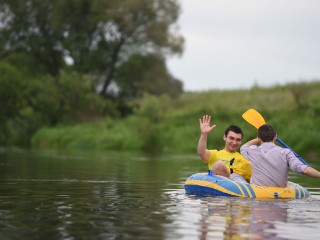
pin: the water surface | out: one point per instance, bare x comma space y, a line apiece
108, 195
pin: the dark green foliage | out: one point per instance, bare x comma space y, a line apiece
59, 60
29, 103
146, 74
95, 36
151, 113
11, 83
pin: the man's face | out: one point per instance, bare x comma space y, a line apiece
233, 141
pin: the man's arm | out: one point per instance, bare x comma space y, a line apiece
203, 152
311, 172
255, 141
205, 129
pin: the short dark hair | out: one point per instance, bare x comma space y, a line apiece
266, 133
235, 129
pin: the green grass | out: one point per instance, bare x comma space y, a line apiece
166, 125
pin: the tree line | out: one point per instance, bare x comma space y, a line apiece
63, 62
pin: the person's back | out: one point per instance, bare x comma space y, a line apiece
271, 163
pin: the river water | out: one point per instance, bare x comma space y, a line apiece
109, 195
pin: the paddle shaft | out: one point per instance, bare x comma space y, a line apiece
286, 146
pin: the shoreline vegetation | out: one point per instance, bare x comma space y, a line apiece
166, 125
103, 83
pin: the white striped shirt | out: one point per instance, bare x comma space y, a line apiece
271, 163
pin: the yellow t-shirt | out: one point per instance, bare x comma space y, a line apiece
239, 165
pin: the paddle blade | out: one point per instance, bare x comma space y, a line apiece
254, 118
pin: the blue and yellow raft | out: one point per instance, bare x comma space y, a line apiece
208, 184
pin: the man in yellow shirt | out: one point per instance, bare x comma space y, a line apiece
227, 161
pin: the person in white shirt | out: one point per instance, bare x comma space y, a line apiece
271, 163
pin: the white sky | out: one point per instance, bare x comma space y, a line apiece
231, 44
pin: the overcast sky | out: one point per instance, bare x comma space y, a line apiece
231, 44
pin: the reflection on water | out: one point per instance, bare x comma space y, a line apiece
235, 218
244, 219
126, 196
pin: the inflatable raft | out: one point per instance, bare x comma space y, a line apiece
208, 184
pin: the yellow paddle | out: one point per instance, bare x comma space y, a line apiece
255, 119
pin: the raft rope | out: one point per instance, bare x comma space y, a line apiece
272, 192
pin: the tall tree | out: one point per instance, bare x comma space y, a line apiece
140, 74
95, 36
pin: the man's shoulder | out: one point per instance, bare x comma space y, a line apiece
221, 152
213, 150
244, 146
234, 154
239, 155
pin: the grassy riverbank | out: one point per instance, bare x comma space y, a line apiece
166, 125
